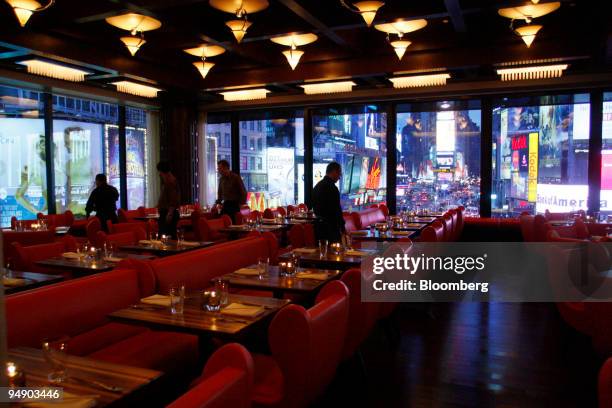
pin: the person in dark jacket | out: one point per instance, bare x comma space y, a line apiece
326, 205
103, 201
169, 201
232, 193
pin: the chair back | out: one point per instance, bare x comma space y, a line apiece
25, 238
92, 228
308, 344
58, 220
120, 239
129, 215
309, 235
227, 381
433, 232
208, 230
26, 256
296, 236
350, 224
447, 223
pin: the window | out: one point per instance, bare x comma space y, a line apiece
540, 154
275, 155
227, 139
215, 149
243, 144
355, 137
78, 137
438, 156
244, 125
136, 156
605, 198
23, 177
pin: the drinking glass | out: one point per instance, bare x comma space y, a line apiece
211, 301
262, 267
323, 247
180, 236
55, 354
177, 299
222, 289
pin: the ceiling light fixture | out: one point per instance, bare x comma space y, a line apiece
53, 70
134, 88
367, 9
293, 41
399, 28
205, 51
528, 33
245, 94
136, 24
241, 9
328, 87
532, 72
418, 81
24, 9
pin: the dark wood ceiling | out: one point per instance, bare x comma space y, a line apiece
465, 36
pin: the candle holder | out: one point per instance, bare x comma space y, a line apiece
287, 268
336, 248
211, 301
15, 376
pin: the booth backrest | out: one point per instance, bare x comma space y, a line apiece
447, 223
433, 232
455, 217
25, 238
25, 223
350, 221
69, 308
309, 235
120, 238
92, 228
296, 236
368, 217
271, 213
26, 257
129, 215
460, 221
208, 230
308, 344
196, 268
58, 220
127, 227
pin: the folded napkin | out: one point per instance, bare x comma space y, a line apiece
237, 226
149, 242
112, 259
159, 300
270, 227
355, 252
242, 310
312, 275
70, 401
359, 232
402, 232
247, 272
190, 243
305, 250
72, 255
13, 281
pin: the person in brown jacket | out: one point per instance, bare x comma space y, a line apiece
169, 200
232, 193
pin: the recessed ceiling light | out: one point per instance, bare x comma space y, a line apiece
416, 81
245, 94
136, 89
532, 72
53, 70
328, 87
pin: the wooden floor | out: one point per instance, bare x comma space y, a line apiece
472, 355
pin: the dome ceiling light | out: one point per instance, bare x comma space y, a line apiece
24, 9
527, 13
400, 28
293, 41
241, 9
136, 24
367, 9
205, 51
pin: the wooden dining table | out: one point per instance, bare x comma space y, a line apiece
331, 261
171, 248
195, 320
28, 280
76, 266
279, 285
88, 378
390, 236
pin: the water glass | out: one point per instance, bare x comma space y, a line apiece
262, 267
177, 299
55, 354
211, 301
180, 236
222, 289
165, 239
323, 247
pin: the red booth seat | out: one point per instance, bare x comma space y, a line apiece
605, 384
120, 238
196, 268
350, 221
226, 382
24, 238
26, 257
208, 230
58, 220
433, 232
78, 309
368, 217
25, 223
127, 227
129, 215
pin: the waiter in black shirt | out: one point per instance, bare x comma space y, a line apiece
103, 200
326, 205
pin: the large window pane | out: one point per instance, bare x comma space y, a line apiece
137, 145
272, 159
357, 139
540, 155
438, 156
606, 156
23, 180
78, 137
217, 146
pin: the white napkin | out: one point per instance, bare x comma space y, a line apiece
242, 310
305, 250
159, 300
13, 281
402, 232
72, 255
312, 275
149, 242
247, 272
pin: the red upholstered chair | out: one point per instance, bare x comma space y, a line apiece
291, 209
362, 315
226, 382
92, 228
26, 257
349, 221
447, 223
120, 238
385, 210
368, 217
127, 227
208, 230
309, 235
129, 215
433, 232
302, 206
306, 348
527, 228
25, 238
605, 384
149, 210
58, 220
270, 213
296, 236
455, 217
282, 211
460, 221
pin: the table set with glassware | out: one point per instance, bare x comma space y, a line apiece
18, 281
163, 245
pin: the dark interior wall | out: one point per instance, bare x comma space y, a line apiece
178, 124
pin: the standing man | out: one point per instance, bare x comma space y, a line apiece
232, 193
326, 205
169, 200
103, 201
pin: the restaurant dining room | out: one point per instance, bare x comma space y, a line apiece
305, 203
